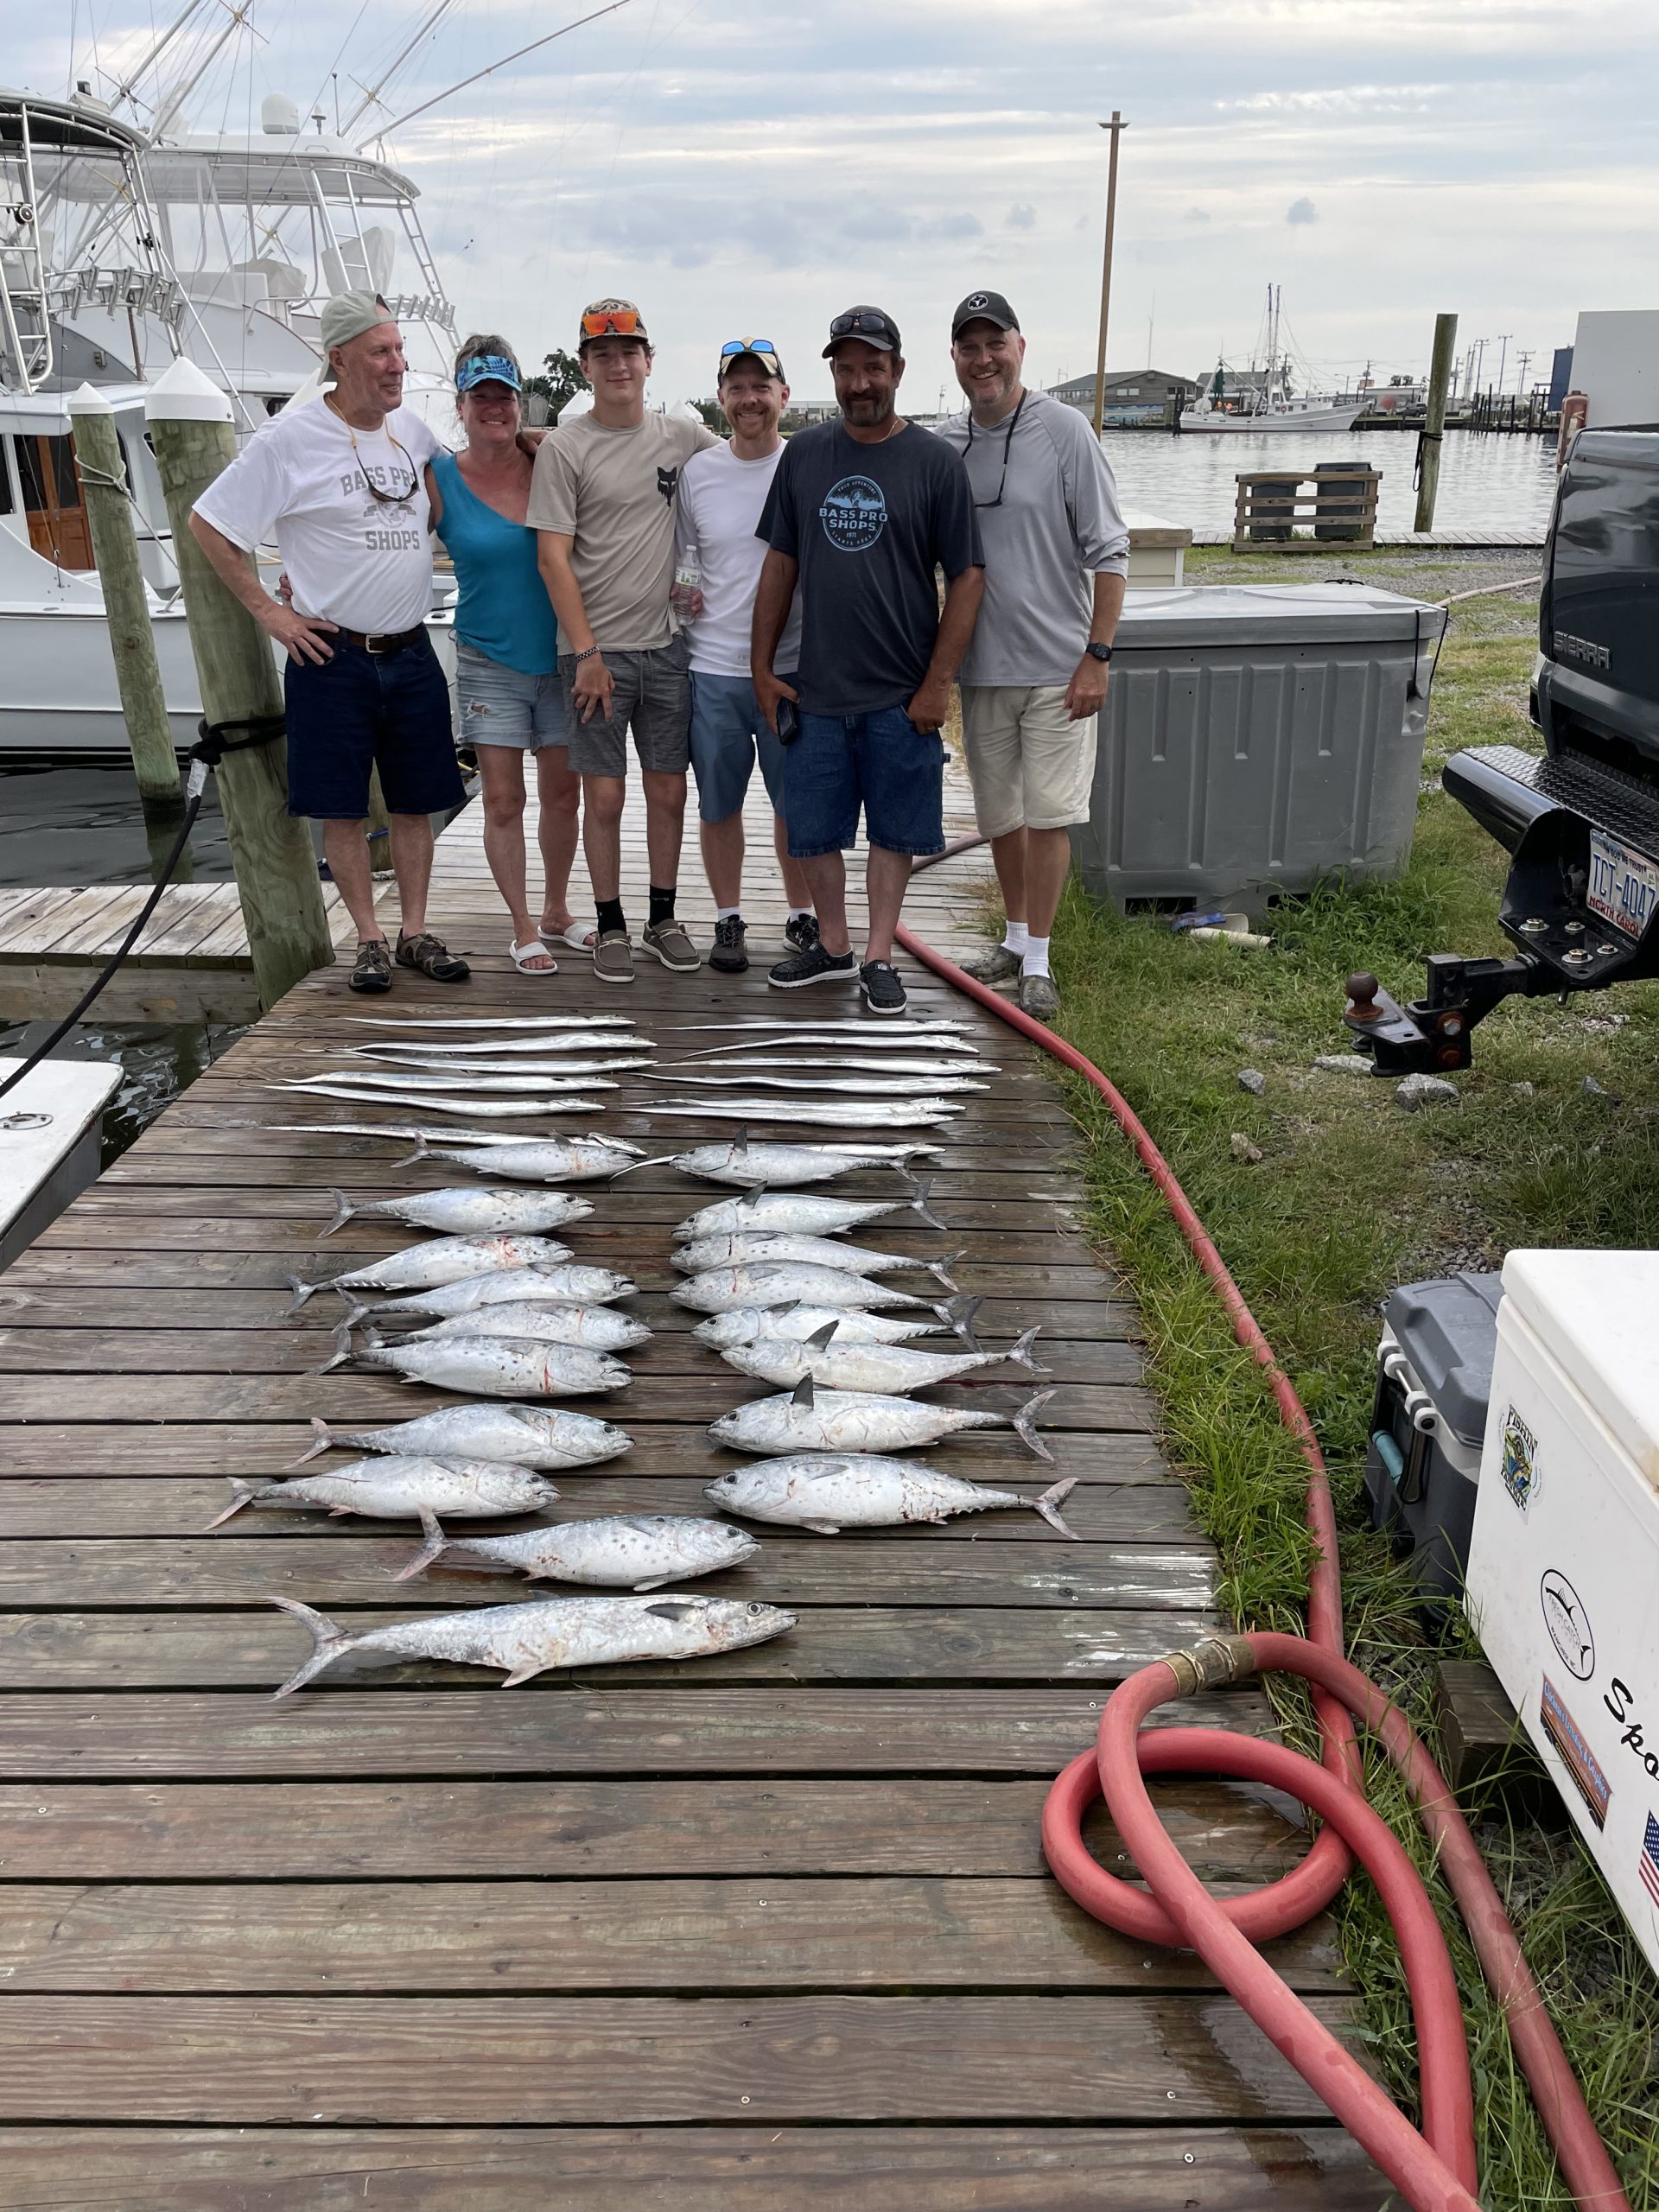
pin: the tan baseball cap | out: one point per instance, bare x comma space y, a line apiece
345, 316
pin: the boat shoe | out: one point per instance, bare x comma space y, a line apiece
614, 956
431, 957
669, 941
996, 965
373, 969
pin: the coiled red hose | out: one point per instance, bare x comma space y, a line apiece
1435, 2170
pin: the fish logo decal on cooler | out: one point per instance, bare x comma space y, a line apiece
1568, 1623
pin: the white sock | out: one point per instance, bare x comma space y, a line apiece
1035, 956
1014, 936
725, 913
802, 914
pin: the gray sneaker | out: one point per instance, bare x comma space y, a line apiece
614, 956
669, 941
998, 965
1037, 997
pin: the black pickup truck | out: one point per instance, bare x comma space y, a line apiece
1581, 822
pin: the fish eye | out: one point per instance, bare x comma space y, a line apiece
756, 1607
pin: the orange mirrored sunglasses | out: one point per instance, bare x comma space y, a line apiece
611, 323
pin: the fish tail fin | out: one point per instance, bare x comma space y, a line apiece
661, 1160
321, 1442
240, 1493
959, 1312
302, 1291
342, 1351
942, 1269
1049, 1506
343, 1211
329, 1639
923, 1186
1020, 1353
1024, 1425
434, 1548
421, 1151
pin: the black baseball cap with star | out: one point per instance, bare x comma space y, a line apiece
984, 307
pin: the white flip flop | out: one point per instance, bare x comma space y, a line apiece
578, 936
520, 953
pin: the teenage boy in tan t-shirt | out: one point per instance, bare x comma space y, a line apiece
603, 501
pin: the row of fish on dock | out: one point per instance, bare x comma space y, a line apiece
496, 1307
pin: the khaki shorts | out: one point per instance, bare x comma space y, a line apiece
1030, 767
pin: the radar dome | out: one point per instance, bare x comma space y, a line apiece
278, 116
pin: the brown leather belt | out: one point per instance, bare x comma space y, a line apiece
390, 641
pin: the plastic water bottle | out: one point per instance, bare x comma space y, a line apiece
687, 580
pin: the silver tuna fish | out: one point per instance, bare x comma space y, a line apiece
575, 1285
635, 1551
529, 1638
519, 1436
741, 1324
834, 1365
466, 1210
797, 1213
849, 1113
497, 1367
596, 1328
811, 1419
829, 1493
786, 1282
782, 1165
401, 1488
760, 1246
426, 1266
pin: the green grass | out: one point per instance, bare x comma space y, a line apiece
1352, 1195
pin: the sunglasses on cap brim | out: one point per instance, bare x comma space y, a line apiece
734, 346
612, 322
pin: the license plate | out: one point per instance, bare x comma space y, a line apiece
1624, 884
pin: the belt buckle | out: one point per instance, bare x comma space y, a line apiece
376, 647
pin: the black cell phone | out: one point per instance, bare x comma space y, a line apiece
789, 721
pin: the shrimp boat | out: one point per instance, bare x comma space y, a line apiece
1273, 407
121, 250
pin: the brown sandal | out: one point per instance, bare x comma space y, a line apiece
373, 968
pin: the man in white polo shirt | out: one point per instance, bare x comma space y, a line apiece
1033, 680
339, 484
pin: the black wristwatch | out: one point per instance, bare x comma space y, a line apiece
1098, 652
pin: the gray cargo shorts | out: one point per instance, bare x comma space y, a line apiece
652, 699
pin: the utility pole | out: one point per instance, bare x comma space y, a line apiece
1428, 448
1117, 127
1525, 359
1503, 359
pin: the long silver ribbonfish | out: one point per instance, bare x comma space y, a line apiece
827, 1493
811, 1419
492, 1022
427, 1267
888, 1114
863, 1086
534, 1086
465, 1210
857, 1027
381, 1067
538, 1437
426, 1102
793, 1213
527, 1639
399, 1487
634, 1551
757, 1247
605, 1040
906, 1040
841, 1063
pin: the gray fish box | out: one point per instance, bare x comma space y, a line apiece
1257, 737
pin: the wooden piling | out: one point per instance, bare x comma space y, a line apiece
1440, 385
102, 470
276, 867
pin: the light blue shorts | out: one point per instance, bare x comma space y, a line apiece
503, 706
729, 734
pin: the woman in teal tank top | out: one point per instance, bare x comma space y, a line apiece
507, 683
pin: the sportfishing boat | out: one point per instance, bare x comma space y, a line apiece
123, 249
1270, 404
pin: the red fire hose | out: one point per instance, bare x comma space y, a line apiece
1435, 2170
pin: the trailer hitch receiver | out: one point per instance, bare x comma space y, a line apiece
1431, 1034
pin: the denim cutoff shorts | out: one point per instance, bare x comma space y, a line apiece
880, 761
729, 734
500, 705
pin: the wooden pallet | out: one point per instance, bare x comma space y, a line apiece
757, 1933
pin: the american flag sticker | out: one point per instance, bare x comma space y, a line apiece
1648, 1867
1581, 1763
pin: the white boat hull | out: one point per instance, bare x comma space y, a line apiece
1274, 420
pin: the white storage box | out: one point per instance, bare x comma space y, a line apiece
1563, 1580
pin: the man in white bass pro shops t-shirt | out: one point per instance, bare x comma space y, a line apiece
722, 491
339, 484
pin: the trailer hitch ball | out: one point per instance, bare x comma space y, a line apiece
1362, 997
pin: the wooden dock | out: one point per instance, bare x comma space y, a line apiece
757, 1933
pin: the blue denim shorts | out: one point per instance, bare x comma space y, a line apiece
363, 710
880, 761
500, 705
729, 733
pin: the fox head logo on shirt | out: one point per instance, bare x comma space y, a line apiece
667, 480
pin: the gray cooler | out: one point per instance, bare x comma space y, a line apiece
1428, 1422
1255, 738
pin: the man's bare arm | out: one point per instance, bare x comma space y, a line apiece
931, 703
772, 599
1085, 695
593, 685
304, 635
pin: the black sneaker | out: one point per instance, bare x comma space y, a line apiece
814, 965
802, 931
728, 955
883, 992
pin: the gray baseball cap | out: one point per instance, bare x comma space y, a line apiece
345, 316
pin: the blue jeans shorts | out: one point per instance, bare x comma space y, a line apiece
729, 733
880, 761
500, 705
363, 710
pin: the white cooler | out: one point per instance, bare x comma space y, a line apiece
1563, 1580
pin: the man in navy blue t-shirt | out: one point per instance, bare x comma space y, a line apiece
862, 513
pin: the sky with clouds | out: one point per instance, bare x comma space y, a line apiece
753, 166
